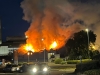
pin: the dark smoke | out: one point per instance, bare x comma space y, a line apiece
68, 14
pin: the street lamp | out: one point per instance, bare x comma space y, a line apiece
28, 57
29, 53
87, 30
29, 49
44, 50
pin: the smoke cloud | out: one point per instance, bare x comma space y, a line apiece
59, 19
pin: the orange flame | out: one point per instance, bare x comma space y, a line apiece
45, 28
53, 45
29, 47
48, 21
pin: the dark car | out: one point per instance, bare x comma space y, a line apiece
40, 68
11, 68
24, 68
7, 68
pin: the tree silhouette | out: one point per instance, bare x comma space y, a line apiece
78, 44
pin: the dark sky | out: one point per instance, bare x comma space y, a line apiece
11, 16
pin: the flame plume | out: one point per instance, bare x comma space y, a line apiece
47, 29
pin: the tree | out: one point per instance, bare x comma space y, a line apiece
78, 44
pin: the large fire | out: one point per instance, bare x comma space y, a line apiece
29, 47
47, 29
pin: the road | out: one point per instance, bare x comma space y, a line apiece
52, 73
56, 72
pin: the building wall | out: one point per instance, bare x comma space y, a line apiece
4, 50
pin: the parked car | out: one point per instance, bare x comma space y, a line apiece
11, 68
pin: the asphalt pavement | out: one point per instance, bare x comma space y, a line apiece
68, 69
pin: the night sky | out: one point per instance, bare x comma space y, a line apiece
11, 16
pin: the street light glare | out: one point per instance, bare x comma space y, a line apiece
93, 47
42, 39
87, 30
26, 36
28, 53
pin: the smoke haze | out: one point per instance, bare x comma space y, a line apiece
58, 20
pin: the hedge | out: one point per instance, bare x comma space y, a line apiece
92, 72
87, 66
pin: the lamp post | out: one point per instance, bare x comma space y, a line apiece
28, 57
29, 53
44, 50
87, 30
44, 55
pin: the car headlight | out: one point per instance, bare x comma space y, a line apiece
34, 70
17, 68
45, 69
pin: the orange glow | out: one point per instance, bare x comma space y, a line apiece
53, 45
22, 49
26, 36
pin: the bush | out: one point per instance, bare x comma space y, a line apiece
92, 72
58, 61
87, 66
96, 57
